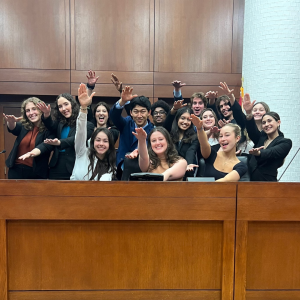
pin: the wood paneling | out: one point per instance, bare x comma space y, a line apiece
2, 145
273, 251
119, 295
35, 34
273, 295
238, 36
31, 75
193, 36
112, 35
34, 88
117, 255
3, 260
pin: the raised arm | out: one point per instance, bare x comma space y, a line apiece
177, 89
177, 171
141, 136
11, 122
202, 137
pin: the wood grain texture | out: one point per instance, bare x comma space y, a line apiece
34, 88
124, 45
2, 147
238, 36
109, 90
114, 255
228, 260
193, 38
127, 78
118, 295
273, 255
166, 91
23, 46
3, 261
31, 75
273, 295
240, 260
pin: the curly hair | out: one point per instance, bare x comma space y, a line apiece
188, 135
160, 103
75, 110
109, 122
171, 153
28, 125
108, 164
224, 98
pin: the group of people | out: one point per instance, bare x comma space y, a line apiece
82, 143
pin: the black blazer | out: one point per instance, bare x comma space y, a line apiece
40, 163
264, 167
66, 144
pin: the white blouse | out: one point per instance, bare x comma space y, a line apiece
80, 170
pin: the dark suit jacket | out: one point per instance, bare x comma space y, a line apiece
264, 167
67, 144
128, 142
40, 163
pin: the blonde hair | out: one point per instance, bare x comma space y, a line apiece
236, 129
28, 125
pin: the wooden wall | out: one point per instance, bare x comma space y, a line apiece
46, 47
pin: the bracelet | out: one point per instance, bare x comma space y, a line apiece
90, 87
84, 109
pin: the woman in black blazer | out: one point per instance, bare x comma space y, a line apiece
64, 127
29, 156
183, 135
271, 147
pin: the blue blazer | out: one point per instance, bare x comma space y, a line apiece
128, 142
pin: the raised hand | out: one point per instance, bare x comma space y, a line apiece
223, 122
178, 85
140, 133
127, 95
83, 97
191, 167
115, 80
133, 154
223, 86
198, 123
211, 95
256, 151
177, 105
247, 104
92, 79
45, 109
11, 118
214, 129
53, 142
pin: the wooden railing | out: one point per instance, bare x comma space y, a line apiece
123, 240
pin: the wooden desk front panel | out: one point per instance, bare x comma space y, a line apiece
268, 242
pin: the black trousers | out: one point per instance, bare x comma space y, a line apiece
19, 171
59, 171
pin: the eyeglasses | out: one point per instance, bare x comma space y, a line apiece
161, 112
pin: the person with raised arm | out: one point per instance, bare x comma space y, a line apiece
270, 145
98, 161
159, 154
29, 156
223, 165
140, 109
66, 111
198, 99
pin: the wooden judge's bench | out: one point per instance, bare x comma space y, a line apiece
149, 241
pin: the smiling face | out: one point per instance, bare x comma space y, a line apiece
183, 122
101, 116
197, 106
140, 115
64, 107
158, 143
208, 120
225, 108
258, 111
33, 113
159, 116
101, 144
228, 139
270, 125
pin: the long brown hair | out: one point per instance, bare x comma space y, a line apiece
171, 152
28, 125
